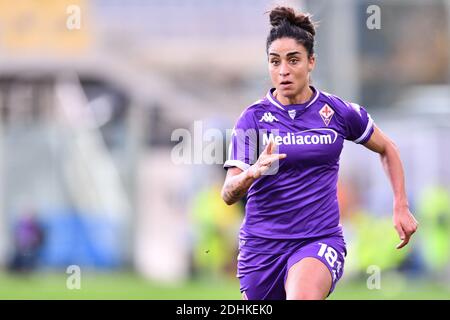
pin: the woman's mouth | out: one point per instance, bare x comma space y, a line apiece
285, 84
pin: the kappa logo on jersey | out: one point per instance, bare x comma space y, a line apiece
326, 113
268, 117
292, 114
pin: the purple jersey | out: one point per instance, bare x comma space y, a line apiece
299, 199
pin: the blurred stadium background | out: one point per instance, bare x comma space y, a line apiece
92, 90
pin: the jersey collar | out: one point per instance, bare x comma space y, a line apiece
279, 105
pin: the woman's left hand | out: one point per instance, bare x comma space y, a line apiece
405, 224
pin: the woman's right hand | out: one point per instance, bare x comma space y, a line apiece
238, 181
265, 161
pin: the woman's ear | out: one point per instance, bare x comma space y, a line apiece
311, 63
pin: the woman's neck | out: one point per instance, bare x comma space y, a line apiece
304, 96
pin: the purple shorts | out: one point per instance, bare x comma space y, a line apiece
263, 264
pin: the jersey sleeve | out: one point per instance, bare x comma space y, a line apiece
242, 151
359, 125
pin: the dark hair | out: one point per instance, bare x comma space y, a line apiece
287, 23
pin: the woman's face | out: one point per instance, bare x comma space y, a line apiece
289, 66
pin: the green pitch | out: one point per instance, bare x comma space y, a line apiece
130, 286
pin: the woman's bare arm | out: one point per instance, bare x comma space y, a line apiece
404, 221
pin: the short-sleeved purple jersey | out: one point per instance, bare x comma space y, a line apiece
299, 198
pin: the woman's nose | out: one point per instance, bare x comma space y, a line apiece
284, 70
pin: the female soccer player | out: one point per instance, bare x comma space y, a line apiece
291, 244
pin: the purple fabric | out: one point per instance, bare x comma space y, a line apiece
263, 264
298, 199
